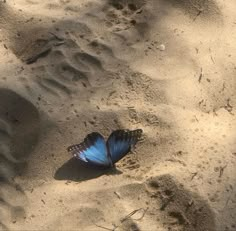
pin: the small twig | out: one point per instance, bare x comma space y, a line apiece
179, 153
43, 53
201, 102
212, 59
132, 213
228, 107
223, 87
200, 76
57, 37
47, 50
200, 10
196, 118
193, 175
144, 212
59, 43
102, 227
37, 56
125, 218
175, 160
222, 170
117, 194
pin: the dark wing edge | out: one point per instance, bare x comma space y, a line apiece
89, 140
132, 136
78, 150
126, 139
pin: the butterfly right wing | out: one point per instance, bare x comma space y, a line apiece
120, 142
92, 150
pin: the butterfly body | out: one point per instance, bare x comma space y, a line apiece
94, 150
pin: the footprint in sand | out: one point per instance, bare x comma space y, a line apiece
62, 60
76, 65
19, 130
180, 208
66, 56
160, 203
123, 15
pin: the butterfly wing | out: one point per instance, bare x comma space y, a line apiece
92, 150
120, 142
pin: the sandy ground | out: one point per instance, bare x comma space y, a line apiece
69, 67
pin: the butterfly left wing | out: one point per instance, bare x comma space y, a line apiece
92, 150
120, 142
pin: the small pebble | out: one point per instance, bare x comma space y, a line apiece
161, 47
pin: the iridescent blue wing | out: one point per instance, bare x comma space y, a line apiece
120, 142
92, 150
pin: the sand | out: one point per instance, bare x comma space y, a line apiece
69, 67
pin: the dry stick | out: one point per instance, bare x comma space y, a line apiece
200, 10
132, 213
125, 218
223, 87
228, 106
42, 53
196, 118
57, 37
37, 56
222, 170
175, 160
102, 227
193, 175
59, 43
46, 51
117, 194
200, 76
200, 102
212, 59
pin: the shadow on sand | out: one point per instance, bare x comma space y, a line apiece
77, 170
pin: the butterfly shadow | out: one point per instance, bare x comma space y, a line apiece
76, 170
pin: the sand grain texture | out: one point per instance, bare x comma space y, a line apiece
71, 67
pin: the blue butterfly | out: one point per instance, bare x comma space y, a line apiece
94, 150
